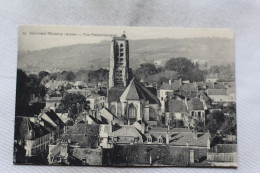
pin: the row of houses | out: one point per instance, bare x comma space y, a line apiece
34, 134
99, 138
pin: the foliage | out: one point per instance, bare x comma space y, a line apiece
73, 103
43, 74
99, 75
218, 121
146, 70
26, 87
185, 68
225, 72
214, 121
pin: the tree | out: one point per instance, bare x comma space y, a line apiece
73, 103
214, 121
185, 69
70, 76
22, 93
146, 70
42, 75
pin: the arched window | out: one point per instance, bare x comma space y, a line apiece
121, 45
152, 114
132, 112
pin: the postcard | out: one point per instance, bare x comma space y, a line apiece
125, 96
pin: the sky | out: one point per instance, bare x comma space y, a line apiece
32, 37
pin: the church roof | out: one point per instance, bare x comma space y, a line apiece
114, 93
136, 91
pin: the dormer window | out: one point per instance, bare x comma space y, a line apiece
149, 139
114, 139
160, 140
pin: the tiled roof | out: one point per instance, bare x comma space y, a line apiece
195, 104
166, 86
55, 118
136, 91
175, 85
86, 135
176, 106
188, 94
217, 91
126, 130
181, 138
189, 87
114, 93
126, 134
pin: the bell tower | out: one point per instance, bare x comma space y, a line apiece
119, 62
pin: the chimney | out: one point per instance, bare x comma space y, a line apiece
170, 82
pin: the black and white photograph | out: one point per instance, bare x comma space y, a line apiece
125, 97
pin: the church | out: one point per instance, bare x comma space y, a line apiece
128, 99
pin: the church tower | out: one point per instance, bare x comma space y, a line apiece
119, 62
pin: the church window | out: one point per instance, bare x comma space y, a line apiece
132, 112
152, 114
121, 54
121, 45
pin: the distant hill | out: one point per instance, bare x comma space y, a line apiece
74, 57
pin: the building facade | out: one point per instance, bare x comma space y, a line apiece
119, 62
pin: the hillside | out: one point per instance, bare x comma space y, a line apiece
73, 57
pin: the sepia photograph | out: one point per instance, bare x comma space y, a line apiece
125, 97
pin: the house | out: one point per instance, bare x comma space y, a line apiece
33, 137
182, 147
196, 108
78, 138
125, 134
212, 78
95, 101
50, 118
175, 110
218, 95
105, 131
53, 100
189, 87
181, 137
166, 88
